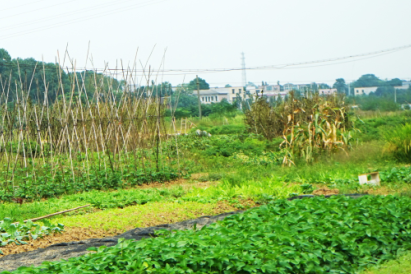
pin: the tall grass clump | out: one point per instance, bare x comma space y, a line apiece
398, 142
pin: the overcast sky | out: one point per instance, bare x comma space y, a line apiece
209, 34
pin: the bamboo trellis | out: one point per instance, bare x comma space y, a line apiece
106, 127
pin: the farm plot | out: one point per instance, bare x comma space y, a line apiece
335, 235
116, 211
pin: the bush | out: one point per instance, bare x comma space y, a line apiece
399, 142
227, 129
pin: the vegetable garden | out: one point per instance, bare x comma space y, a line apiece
97, 137
97, 146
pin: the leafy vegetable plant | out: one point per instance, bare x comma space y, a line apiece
19, 233
317, 235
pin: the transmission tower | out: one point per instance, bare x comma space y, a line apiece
243, 69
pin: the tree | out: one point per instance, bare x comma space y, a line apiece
202, 84
340, 85
394, 82
323, 86
5, 58
368, 80
227, 86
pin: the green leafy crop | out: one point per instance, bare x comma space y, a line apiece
318, 235
19, 233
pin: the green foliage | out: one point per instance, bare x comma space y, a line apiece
368, 80
188, 107
225, 145
19, 233
396, 175
192, 85
27, 149
98, 199
376, 128
227, 129
340, 85
62, 182
318, 235
234, 186
401, 265
32, 73
374, 102
399, 142
123, 198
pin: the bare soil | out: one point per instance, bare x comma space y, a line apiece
70, 234
325, 191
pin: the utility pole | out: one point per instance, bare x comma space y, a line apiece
199, 101
244, 78
395, 95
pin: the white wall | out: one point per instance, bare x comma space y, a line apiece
364, 90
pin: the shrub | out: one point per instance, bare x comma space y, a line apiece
227, 129
399, 142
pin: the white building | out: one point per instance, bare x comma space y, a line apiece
208, 96
364, 90
231, 92
405, 85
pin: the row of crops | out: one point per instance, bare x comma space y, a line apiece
317, 235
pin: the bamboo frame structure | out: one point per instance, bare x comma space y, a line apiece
93, 124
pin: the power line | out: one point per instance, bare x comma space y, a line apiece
93, 8
151, 2
324, 62
169, 72
30, 11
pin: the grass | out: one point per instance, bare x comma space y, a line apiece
98, 199
257, 190
36, 209
402, 264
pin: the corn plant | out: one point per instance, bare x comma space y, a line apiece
309, 126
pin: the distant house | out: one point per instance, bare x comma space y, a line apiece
289, 87
327, 91
271, 88
364, 90
208, 96
405, 85
303, 87
231, 92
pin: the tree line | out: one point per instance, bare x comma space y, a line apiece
31, 77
